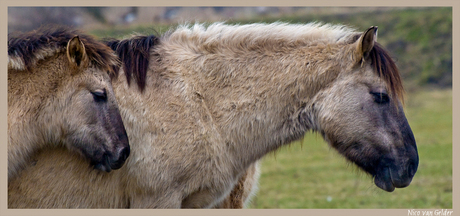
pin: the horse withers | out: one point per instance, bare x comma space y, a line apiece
211, 101
60, 94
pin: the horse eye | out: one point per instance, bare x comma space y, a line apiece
380, 97
99, 95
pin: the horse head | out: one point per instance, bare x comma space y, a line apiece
361, 115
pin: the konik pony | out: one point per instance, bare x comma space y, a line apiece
210, 101
60, 94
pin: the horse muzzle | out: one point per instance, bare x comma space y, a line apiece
391, 177
111, 162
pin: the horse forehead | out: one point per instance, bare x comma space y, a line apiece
94, 76
361, 75
373, 80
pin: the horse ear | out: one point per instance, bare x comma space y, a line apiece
76, 52
366, 42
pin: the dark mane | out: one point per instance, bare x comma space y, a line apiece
134, 54
35, 45
386, 68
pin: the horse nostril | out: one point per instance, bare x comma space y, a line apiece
118, 162
412, 168
124, 153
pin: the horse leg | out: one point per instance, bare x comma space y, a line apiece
235, 199
251, 183
244, 190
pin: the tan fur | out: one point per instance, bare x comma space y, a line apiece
49, 102
217, 100
64, 161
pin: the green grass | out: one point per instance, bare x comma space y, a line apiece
309, 174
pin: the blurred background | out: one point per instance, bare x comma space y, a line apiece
308, 173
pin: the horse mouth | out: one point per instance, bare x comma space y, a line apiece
388, 180
109, 162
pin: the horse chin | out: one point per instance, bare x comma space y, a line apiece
388, 181
383, 181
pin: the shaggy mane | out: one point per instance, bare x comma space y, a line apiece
285, 35
134, 54
135, 51
263, 32
26, 49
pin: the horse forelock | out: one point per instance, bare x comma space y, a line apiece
134, 54
26, 49
387, 70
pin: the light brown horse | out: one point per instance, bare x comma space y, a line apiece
60, 94
211, 101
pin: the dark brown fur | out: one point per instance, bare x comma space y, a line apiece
134, 54
386, 68
27, 45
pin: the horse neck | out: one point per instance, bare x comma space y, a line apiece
27, 92
23, 128
259, 99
